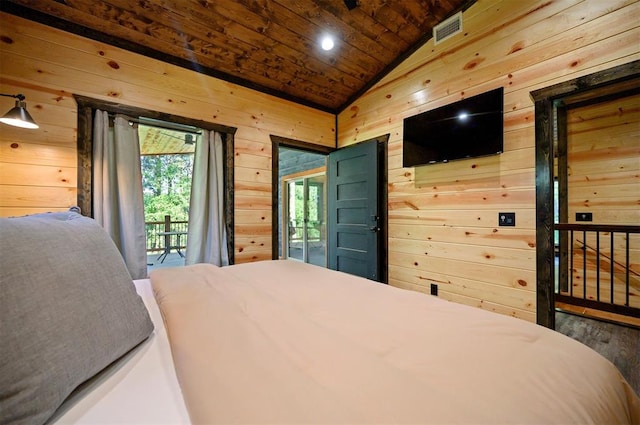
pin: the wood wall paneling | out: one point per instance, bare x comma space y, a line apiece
443, 217
49, 66
603, 160
442, 220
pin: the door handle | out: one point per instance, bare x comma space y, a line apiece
375, 227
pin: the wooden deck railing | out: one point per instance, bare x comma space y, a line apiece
599, 267
157, 242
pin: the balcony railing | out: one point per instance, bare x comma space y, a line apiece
599, 267
156, 242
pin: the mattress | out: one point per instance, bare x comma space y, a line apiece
283, 342
140, 388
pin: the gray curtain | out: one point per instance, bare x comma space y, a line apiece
117, 189
207, 238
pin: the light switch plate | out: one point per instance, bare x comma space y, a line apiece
506, 219
584, 216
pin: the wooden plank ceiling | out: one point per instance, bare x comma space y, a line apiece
267, 45
162, 141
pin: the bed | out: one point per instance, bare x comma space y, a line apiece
268, 342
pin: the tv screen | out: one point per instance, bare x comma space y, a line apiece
465, 129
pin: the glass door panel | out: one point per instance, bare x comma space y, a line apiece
316, 223
305, 222
295, 231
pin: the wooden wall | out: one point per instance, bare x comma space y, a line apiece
443, 217
442, 229
603, 167
603, 157
38, 167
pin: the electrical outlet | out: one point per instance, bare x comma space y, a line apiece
434, 289
584, 216
506, 219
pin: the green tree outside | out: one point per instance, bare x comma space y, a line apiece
166, 185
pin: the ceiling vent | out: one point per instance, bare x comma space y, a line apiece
447, 28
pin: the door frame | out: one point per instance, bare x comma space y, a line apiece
277, 141
86, 107
549, 103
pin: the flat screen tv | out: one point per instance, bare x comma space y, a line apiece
465, 129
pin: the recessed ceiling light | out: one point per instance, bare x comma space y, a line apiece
327, 43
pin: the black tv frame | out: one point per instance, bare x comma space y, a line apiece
442, 135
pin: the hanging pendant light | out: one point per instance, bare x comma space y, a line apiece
18, 115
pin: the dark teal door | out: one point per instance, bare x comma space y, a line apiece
353, 210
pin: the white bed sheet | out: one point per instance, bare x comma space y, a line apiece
140, 388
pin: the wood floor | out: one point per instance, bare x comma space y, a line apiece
620, 344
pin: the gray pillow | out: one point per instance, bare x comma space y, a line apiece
68, 308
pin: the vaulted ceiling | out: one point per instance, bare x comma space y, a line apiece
269, 45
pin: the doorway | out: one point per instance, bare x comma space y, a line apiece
166, 158
86, 109
594, 207
301, 205
304, 217
305, 240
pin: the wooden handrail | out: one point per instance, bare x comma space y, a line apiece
617, 228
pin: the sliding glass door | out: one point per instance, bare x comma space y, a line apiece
305, 230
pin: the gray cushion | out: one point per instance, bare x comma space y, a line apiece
68, 308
